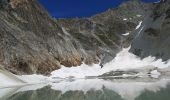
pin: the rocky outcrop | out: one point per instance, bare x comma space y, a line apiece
103, 34
152, 38
32, 42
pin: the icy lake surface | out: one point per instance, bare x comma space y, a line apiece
91, 89
76, 84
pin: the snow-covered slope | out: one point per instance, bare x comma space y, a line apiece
8, 79
124, 61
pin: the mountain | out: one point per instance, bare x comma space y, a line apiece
152, 38
33, 42
102, 34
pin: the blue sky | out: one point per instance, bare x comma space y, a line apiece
80, 8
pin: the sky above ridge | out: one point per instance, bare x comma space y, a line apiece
80, 8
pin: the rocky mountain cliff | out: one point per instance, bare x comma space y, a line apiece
152, 38
32, 42
102, 34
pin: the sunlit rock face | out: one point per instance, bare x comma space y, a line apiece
31, 42
153, 35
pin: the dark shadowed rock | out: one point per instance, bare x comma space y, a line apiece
102, 34
153, 36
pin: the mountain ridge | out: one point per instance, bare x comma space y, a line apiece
33, 42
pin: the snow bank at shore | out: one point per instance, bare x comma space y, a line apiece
123, 61
10, 80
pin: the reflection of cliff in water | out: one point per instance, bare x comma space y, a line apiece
94, 90
47, 93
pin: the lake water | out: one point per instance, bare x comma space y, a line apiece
91, 89
119, 81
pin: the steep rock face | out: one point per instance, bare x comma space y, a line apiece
32, 42
102, 34
153, 36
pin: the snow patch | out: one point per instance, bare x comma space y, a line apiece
123, 61
124, 19
138, 26
138, 15
155, 74
10, 80
33, 78
126, 34
7, 80
158, 1
65, 32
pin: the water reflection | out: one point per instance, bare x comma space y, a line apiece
94, 89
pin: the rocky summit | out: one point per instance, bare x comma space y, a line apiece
33, 42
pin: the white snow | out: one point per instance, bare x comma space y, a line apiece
7, 80
65, 32
138, 26
77, 72
124, 18
123, 61
33, 78
139, 31
155, 74
158, 1
141, 28
138, 15
126, 34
